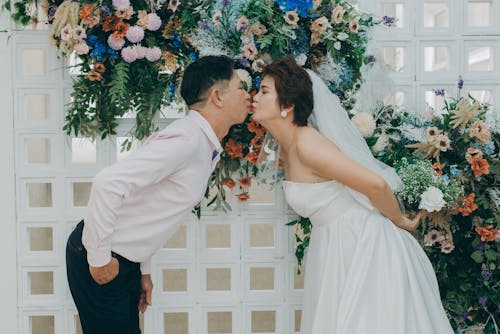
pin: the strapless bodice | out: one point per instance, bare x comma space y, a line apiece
323, 200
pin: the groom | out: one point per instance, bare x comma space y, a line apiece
137, 204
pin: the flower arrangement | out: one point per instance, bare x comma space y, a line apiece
448, 161
131, 55
328, 36
425, 188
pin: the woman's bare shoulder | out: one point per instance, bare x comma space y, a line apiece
308, 137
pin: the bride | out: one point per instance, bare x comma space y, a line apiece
365, 272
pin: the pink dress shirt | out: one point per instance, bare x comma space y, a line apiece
136, 204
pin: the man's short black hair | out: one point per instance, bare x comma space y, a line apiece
202, 74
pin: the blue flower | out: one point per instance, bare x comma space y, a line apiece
439, 92
192, 55
96, 55
482, 300
488, 149
100, 46
178, 40
244, 62
371, 59
446, 179
91, 40
480, 247
460, 82
302, 6
256, 82
171, 91
52, 11
454, 170
345, 72
485, 272
388, 20
105, 9
203, 25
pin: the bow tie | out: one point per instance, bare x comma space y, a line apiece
214, 155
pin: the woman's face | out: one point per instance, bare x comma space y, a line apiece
265, 104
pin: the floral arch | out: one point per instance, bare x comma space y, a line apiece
132, 54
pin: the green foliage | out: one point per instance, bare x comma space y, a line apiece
301, 239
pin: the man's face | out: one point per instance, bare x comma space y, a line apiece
236, 100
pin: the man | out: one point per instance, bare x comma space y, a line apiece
137, 204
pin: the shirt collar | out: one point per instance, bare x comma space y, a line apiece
207, 129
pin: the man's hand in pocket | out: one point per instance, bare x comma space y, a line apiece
106, 273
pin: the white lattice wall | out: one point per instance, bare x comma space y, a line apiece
228, 273
434, 42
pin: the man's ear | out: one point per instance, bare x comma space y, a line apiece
215, 97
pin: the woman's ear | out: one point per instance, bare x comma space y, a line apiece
288, 109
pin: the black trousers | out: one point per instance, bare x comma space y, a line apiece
108, 308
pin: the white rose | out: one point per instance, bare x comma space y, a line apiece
301, 59
432, 200
365, 123
381, 143
342, 36
245, 77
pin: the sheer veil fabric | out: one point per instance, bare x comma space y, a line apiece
329, 118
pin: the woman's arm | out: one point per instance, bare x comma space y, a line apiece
325, 159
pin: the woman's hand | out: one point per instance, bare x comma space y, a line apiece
409, 224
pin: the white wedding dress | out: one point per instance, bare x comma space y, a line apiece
363, 274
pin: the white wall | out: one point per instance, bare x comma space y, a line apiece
8, 285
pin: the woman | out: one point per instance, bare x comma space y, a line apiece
365, 272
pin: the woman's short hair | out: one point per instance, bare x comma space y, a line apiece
201, 75
294, 87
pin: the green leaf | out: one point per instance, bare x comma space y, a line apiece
6, 5
491, 254
477, 256
118, 89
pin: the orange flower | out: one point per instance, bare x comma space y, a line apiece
243, 197
469, 205
479, 166
110, 23
229, 182
99, 67
487, 234
254, 126
252, 157
245, 182
86, 11
234, 149
438, 168
257, 142
121, 29
94, 76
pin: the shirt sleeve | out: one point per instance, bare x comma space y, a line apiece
146, 267
157, 159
